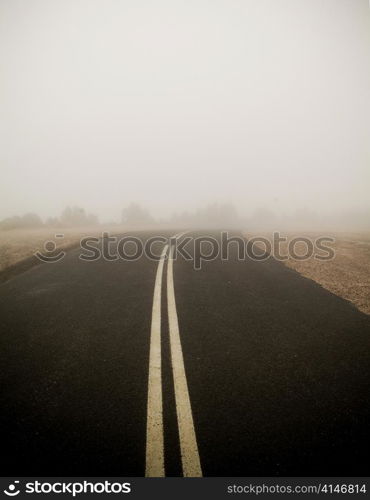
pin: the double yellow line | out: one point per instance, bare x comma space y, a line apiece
154, 461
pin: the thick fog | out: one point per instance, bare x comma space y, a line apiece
173, 104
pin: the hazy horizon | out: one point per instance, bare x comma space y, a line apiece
176, 105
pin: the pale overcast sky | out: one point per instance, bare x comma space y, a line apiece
265, 103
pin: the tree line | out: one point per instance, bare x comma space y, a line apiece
133, 215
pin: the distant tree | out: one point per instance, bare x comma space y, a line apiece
183, 218
73, 216
263, 218
135, 215
92, 220
217, 214
29, 220
76, 216
52, 222
213, 215
11, 223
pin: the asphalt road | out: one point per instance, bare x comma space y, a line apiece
268, 376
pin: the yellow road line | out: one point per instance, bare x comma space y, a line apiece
188, 443
154, 460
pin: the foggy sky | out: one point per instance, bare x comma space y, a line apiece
175, 104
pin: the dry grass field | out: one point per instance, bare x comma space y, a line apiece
17, 245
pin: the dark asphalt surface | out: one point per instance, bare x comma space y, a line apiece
277, 369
